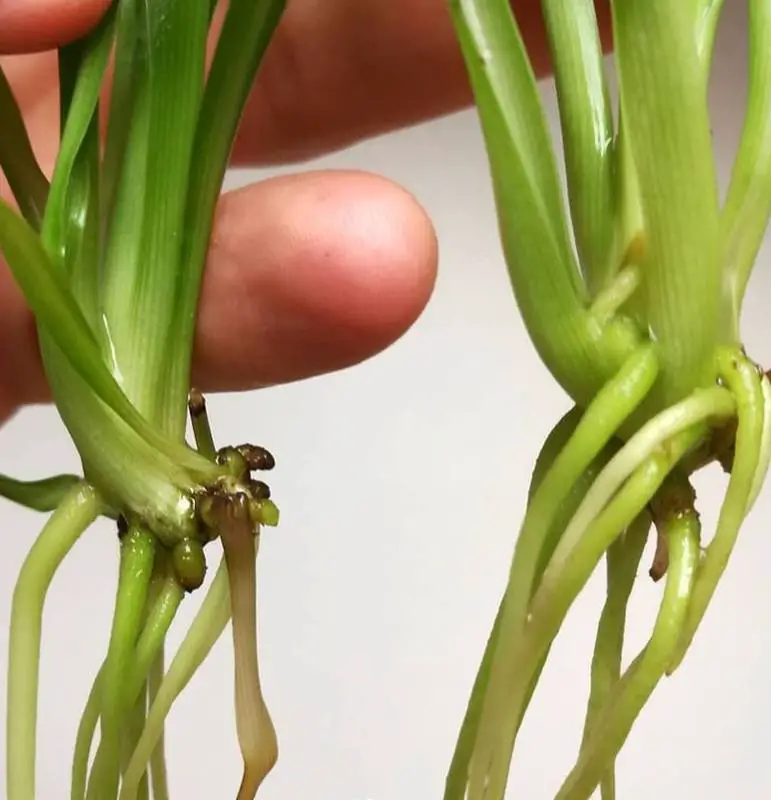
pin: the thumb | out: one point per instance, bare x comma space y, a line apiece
29, 26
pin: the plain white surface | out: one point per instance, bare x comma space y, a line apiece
401, 484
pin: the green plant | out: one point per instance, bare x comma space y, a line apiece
110, 257
637, 317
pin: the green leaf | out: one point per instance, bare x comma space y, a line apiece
48, 295
748, 203
40, 495
126, 77
587, 133
78, 189
17, 160
141, 280
244, 38
706, 14
540, 258
662, 88
81, 101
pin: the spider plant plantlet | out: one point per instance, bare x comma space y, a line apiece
631, 289
110, 256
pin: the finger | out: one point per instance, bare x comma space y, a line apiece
309, 274
28, 26
306, 274
336, 73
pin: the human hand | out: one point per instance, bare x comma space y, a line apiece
345, 262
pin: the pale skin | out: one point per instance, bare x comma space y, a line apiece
307, 273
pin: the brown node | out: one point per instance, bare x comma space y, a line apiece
257, 457
196, 403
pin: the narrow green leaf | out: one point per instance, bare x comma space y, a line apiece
622, 562
587, 133
126, 76
141, 285
540, 258
17, 160
706, 14
663, 98
40, 495
78, 190
748, 203
48, 295
244, 38
82, 109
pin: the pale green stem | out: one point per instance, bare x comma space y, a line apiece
551, 602
744, 381
455, 784
256, 732
137, 559
206, 629
611, 407
765, 445
158, 777
85, 736
76, 512
130, 736
608, 302
623, 558
512, 673
162, 609
702, 406
623, 705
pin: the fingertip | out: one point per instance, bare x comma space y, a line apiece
29, 26
309, 274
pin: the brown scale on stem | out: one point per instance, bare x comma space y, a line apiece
196, 403
675, 498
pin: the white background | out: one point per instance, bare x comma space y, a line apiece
401, 484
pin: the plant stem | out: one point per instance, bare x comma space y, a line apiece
744, 381
137, 558
765, 444
617, 293
85, 736
623, 559
158, 777
611, 407
694, 412
457, 777
623, 705
130, 736
199, 419
562, 581
167, 596
207, 627
77, 511
256, 733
